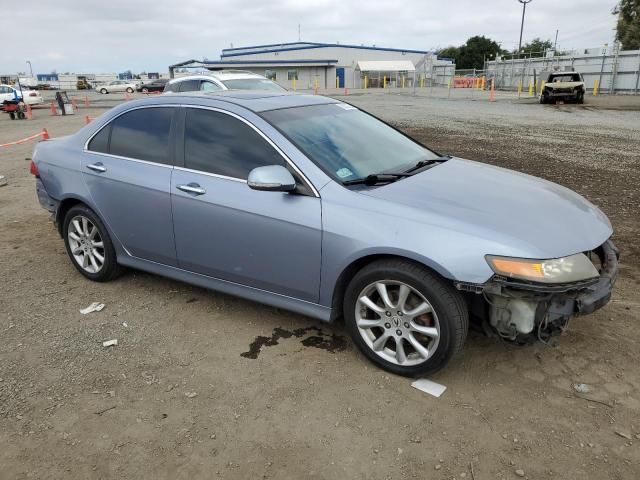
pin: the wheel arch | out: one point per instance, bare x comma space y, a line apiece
355, 265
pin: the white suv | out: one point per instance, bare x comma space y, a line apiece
222, 80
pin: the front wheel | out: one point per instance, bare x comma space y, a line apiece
145, 90
129, 90
103, 91
404, 317
89, 245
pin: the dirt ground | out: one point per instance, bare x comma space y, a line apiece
188, 393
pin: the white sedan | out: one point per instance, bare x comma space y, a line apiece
117, 86
30, 97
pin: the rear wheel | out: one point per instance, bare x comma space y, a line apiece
129, 90
145, 90
405, 318
89, 245
103, 90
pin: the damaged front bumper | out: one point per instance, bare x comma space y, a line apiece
521, 311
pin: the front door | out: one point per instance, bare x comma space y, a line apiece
127, 169
224, 229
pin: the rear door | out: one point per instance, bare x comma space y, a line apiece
224, 229
127, 167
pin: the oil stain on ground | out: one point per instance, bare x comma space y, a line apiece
326, 341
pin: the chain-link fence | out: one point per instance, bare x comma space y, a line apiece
611, 72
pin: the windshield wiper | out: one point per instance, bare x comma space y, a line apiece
376, 178
425, 163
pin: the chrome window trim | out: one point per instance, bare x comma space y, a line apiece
267, 139
200, 172
163, 165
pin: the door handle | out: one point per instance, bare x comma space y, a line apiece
97, 167
192, 188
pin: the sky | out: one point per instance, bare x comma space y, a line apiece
103, 36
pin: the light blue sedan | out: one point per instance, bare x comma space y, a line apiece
312, 205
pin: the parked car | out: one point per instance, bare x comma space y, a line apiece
566, 86
222, 80
309, 204
118, 86
156, 85
28, 96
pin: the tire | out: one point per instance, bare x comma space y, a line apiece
103, 91
543, 99
580, 98
109, 268
145, 90
129, 90
444, 318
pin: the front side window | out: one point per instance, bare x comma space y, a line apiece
142, 134
207, 86
218, 143
292, 75
347, 143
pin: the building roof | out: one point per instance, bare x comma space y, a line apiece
283, 47
218, 65
386, 66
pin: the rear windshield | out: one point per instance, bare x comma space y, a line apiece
251, 84
347, 143
573, 77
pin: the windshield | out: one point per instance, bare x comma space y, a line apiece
347, 143
575, 77
252, 84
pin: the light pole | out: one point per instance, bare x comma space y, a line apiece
30, 67
524, 9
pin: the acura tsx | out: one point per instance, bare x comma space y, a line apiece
310, 204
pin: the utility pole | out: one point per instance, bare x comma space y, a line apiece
298, 32
555, 44
30, 68
524, 9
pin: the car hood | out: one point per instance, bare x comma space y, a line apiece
538, 218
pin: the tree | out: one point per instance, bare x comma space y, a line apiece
473, 53
536, 47
449, 52
628, 27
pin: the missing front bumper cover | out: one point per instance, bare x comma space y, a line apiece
522, 311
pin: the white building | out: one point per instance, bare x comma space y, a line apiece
307, 65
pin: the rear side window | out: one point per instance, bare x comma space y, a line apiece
188, 86
218, 143
142, 134
100, 142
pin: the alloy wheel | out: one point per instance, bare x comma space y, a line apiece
397, 322
86, 244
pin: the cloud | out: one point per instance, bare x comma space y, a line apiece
116, 35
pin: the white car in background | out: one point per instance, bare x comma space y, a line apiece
118, 86
222, 80
30, 97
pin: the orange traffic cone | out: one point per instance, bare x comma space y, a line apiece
29, 112
492, 92
86, 101
53, 109
87, 119
45, 134
74, 105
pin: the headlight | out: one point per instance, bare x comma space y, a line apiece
557, 270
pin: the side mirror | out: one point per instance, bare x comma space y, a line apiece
273, 178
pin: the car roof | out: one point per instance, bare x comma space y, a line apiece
219, 75
254, 100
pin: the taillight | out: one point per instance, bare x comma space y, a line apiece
33, 169
33, 94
